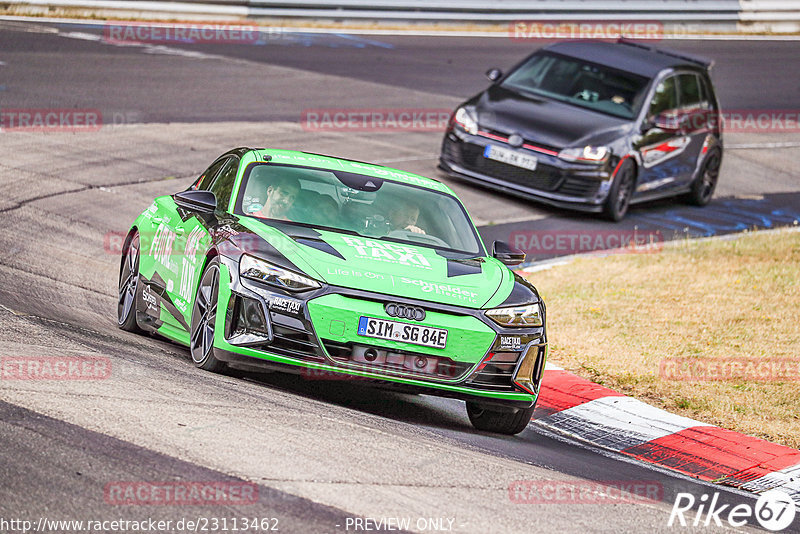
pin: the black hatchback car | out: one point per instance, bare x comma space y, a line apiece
593, 126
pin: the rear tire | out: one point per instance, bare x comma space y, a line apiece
204, 315
619, 198
486, 419
705, 183
128, 286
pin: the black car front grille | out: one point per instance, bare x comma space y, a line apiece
575, 186
390, 362
544, 178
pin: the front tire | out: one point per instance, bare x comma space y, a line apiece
486, 419
619, 198
128, 286
706, 182
204, 316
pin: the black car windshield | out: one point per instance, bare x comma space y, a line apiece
357, 204
579, 83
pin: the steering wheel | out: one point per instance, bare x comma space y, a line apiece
413, 236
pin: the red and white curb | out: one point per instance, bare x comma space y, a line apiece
589, 412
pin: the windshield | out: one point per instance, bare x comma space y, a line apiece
357, 204
576, 82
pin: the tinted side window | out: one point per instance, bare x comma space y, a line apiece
691, 95
223, 185
205, 180
665, 97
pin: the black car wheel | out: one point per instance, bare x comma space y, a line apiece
128, 286
619, 198
706, 181
489, 420
204, 315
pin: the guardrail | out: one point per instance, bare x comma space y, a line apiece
766, 15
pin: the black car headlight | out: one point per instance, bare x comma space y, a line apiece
466, 120
263, 271
587, 154
517, 316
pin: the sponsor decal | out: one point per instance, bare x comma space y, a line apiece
387, 252
188, 273
512, 343
295, 307
225, 232
338, 271
152, 300
162, 247
447, 290
193, 242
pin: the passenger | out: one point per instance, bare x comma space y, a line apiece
280, 196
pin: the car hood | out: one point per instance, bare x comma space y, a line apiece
382, 266
542, 120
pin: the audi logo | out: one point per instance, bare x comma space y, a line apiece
405, 312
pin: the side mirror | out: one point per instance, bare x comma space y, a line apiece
494, 74
507, 254
200, 201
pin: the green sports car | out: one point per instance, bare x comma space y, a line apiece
337, 269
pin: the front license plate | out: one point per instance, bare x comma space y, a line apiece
510, 157
407, 333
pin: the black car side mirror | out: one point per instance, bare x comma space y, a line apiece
507, 254
199, 201
494, 74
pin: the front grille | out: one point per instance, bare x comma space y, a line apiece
497, 373
544, 178
575, 186
396, 361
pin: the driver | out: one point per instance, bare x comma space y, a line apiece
403, 216
281, 193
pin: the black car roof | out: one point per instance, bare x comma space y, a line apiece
632, 57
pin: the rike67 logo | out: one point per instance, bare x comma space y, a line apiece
774, 510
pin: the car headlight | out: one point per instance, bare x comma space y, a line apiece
517, 316
587, 154
256, 269
466, 120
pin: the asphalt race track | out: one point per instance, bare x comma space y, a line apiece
317, 455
